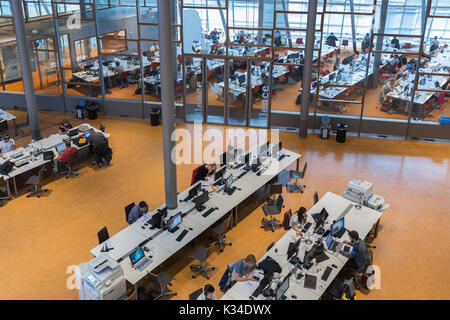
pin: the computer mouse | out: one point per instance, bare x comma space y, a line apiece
190, 229
146, 249
334, 266
276, 250
143, 227
294, 297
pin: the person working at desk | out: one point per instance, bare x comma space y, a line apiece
7, 144
204, 171
388, 87
208, 293
357, 256
277, 38
403, 77
331, 40
434, 44
154, 48
350, 58
106, 78
298, 220
98, 145
395, 43
63, 157
242, 269
65, 126
137, 211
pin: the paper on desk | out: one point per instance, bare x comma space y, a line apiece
246, 288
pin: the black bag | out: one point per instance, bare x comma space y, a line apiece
269, 266
6, 167
48, 155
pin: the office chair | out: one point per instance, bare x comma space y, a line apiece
361, 275
128, 209
220, 229
293, 174
272, 210
316, 197
70, 170
345, 44
3, 127
337, 289
200, 255
36, 182
274, 190
123, 79
161, 280
102, 235
194, 295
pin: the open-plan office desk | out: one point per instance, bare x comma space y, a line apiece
162, 244
361, 219
35, 161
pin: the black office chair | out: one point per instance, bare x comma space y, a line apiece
3, 127
200, 255
220, 229
273, 191
293, 174
194, 295
128, 209
103, 235
69, 166
272, 210
35, 180
316, 197
161, 280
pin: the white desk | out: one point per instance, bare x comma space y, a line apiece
361, 220
6, 116
162, 244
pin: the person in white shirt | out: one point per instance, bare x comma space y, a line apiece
7, 144
298, 220
208, 293
154, 48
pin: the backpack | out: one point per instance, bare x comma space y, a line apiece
6, 167
225, 281
286, 219
269, 265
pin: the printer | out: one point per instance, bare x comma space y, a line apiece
361, 192
358, 191
101, 279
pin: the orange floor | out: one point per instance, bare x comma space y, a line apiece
42, 238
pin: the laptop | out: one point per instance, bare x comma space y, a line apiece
60, 147
331, 244
138, 259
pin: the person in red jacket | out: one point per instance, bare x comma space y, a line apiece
64, 156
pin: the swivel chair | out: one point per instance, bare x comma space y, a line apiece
293, 174
161, 280
35, 180
128, 209
70, 170
200, 255
220, 229
274, 190
270, 211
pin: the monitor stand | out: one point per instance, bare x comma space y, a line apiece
200, 208
106, 248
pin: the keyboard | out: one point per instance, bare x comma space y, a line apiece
340, 233
326, 274
142, 264
239, 165
182, 235
16, 155
21, 163
242, 174
322, 257
208, 212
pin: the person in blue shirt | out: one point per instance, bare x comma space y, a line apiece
137, 211
242, 269
357, 257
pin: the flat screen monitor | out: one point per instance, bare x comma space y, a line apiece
194, 190
136, 255
174, 221
338, 225
241, 79
202, 199
323, 214
309, 255
219, 174
292, 249
281, 290
329, 241
247, 158
264, 148
229, 181
276, 148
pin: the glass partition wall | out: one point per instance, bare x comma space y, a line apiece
382, 66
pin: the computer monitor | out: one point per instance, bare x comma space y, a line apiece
136, 255
229, 182
241, 79
247, 158
87, 134
194, 190
72, 132
277, 148
329, 240
226, 157
219, 174
60, 147
174, 221
338, 225
282, 288
309, 255
332, 76
201, 200
255, 165
158, 218
292, 249
263, 148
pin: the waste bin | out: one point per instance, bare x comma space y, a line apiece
341, 132
154, 116
325, 128
80, 111
92, 111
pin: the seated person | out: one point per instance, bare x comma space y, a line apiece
7, 144
65, 126
331, 40
137, 211
63, 157
154, 48
277, 38
388, 87
350, 58
395, 43
204, 171
357, 257
365, 43
242, 269
298, 220
403, 77
208, 293
434, 44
